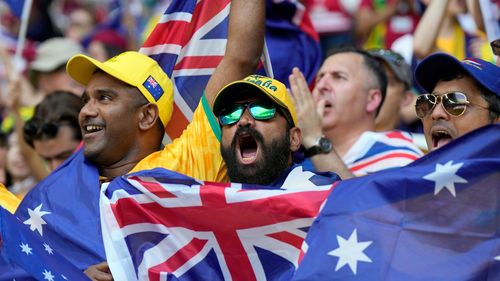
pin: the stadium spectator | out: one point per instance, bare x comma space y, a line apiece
398, 94
48, 70
463, 96
53, 131
259, 136
338, 120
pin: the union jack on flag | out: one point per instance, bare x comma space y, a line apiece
189, 42
160, 225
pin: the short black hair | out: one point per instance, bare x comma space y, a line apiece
372, 64
490, 97
58, 108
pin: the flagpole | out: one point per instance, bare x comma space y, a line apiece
21, 37
267, 61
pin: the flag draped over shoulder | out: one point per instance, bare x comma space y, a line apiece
33, 253
161, 225
190, 39
63, 209
435, 219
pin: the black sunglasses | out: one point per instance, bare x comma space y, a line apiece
36, 129
454, 103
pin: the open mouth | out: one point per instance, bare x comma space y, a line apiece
248, 148
440, 138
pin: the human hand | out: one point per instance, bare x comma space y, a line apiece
309, 113
99, 272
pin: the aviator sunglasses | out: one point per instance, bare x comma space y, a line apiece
259, 110
454, 103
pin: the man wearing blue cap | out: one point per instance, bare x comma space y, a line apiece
462, 96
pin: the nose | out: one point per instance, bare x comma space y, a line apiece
88, 110
322, 87
438, 111
246, 119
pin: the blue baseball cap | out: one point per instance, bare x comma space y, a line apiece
433, 68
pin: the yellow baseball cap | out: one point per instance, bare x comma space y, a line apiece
272, 88
133, 68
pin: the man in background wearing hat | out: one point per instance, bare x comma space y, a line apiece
338, 119
128, 101
398, 94
48, 70
259, 133
462, 96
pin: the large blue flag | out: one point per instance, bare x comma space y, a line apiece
436, 219
63, 209
33, 253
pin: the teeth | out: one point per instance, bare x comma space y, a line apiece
93, 128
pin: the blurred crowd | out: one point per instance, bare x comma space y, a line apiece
40, 106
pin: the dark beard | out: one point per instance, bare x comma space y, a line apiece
264, 171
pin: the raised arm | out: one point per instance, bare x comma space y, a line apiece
427, 31
245, 41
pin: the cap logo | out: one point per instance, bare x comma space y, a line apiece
153, 88
473, 63
263, 82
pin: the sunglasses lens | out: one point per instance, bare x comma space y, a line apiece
455, 103
262, 111
230, 115
424, 105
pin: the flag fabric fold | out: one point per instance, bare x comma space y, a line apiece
159, 224
435, 219
33, 253
49, 211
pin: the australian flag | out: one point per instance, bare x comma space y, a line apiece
190, 39
63, 210
33, 253
435, 219
160, 225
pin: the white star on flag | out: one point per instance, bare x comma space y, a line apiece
35, 221
47, 275
445, 176
25, 248
350, 252
497, 258
64, 277
48, 249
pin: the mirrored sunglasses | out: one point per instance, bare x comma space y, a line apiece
454, 103
258, 109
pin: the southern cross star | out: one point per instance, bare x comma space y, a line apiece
445, 176
350, 252
25, 248
36, 221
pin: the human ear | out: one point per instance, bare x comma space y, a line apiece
148, 115
295, 138
374, 100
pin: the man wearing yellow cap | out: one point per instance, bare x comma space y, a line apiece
259, 133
